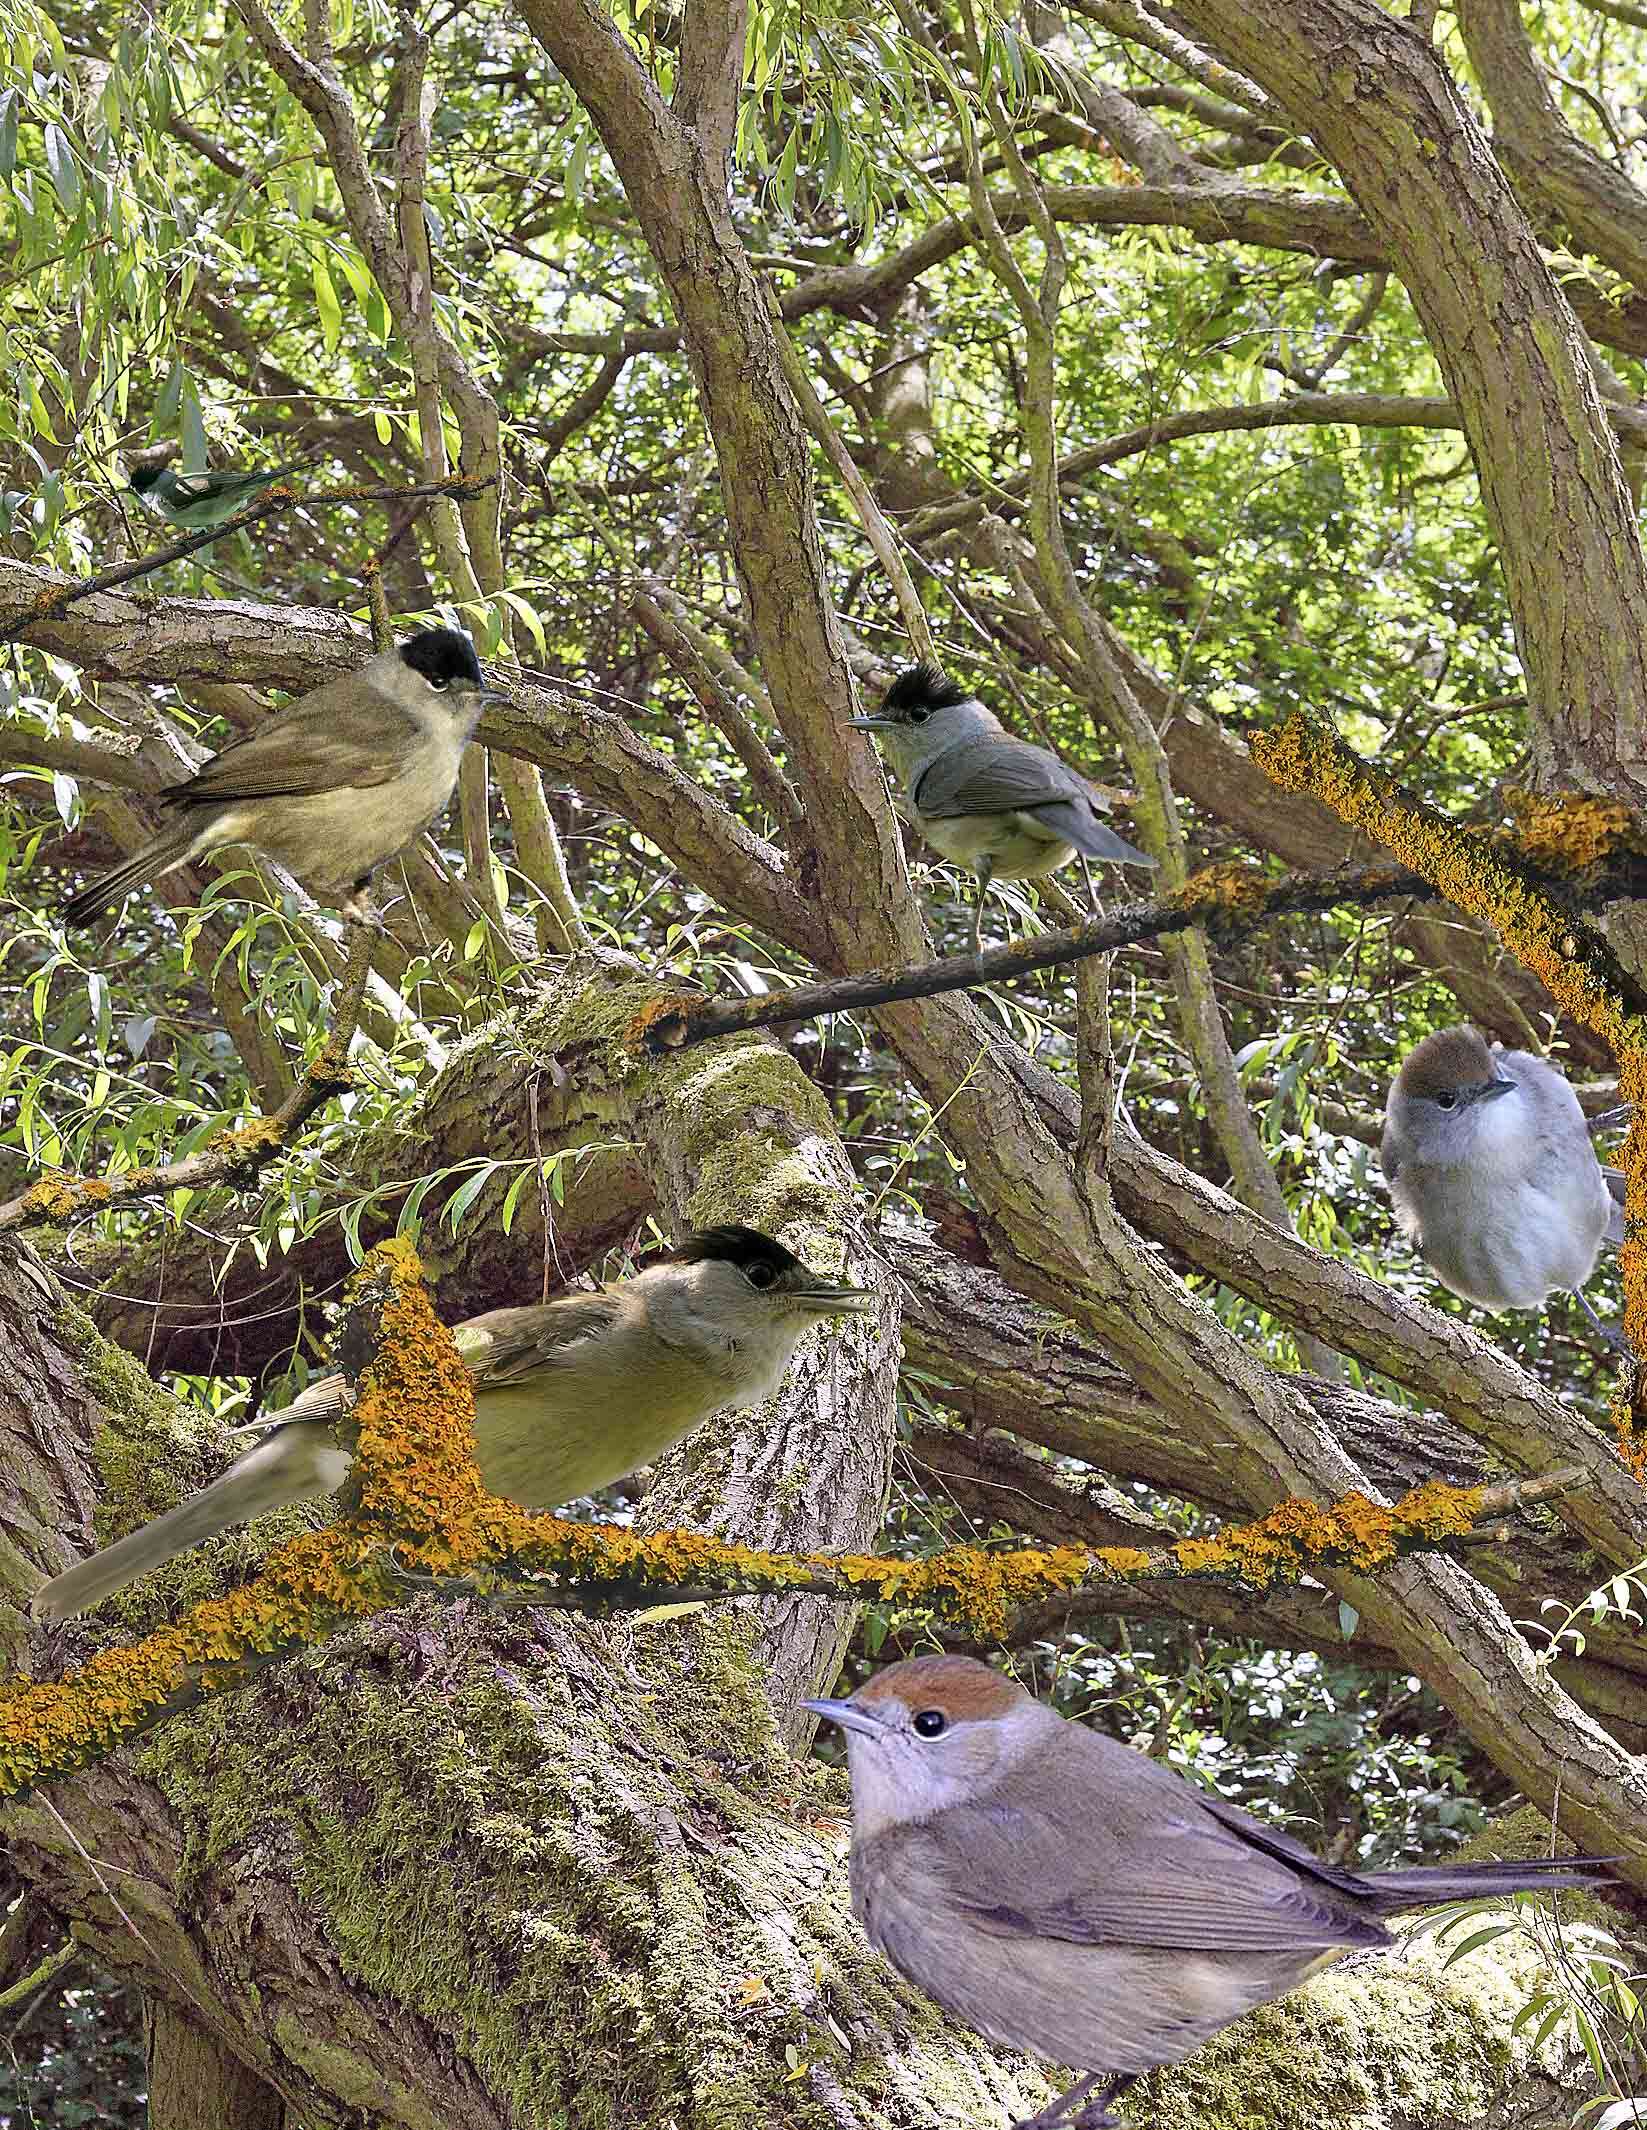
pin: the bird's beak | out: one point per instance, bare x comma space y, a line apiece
846, 1714
872, 724
824, 1299
1495, 1088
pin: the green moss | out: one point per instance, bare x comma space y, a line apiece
1377, 2042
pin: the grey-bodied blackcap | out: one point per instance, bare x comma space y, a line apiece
995, 804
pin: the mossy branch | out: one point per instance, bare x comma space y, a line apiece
417, 1490
231, 1157
1492, 881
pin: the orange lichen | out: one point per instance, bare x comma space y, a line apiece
652, 1024
412, 1426
1225, 890
1567, 831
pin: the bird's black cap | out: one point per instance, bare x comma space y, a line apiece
734, 1245
442, 654
144, 477
922, 687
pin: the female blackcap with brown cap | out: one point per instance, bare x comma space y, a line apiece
569, 1395
1492, 1173
1064, 1894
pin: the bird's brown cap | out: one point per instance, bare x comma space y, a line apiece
962, 1687
1443, 1063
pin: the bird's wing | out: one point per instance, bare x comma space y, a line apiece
507, 1345
1614, 1179
1205, 1878
327, 741
187, 488
994, 776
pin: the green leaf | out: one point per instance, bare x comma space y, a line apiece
8, 133
326, 304
465, 1195
194, 429
64, 169
166, 406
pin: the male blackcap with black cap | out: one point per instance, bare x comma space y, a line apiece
1490, 1166
330, 786
199, 502
995, 804
569, 1395
1064, 1894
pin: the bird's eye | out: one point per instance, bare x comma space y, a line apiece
1446, 1101
931, 1723
919, 717
439, 686
760, 1273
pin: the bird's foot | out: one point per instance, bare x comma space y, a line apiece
1080, 2108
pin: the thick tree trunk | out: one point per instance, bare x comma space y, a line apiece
196, 2084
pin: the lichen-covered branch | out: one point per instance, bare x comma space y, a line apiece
419, 1493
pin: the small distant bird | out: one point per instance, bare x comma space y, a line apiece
569, 1395
330, 786
1000, 807
198, 502
1490, 1166
1064, 1894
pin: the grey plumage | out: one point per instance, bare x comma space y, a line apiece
330, 786
569, 1395
1492, 1172
993, 803
1063, 1893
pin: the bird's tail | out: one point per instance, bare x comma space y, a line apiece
1425, 1885
144, 865
1097, 840
282, 1468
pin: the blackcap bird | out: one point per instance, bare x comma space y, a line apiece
994, 804
569, 1395
330, 786
1490, 1166
1065, 1894
198, 502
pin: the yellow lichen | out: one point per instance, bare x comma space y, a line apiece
652, 1024
413, 1428
1567, 831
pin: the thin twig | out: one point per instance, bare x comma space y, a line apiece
233, 1157
676, 1022
877, 531
279, 498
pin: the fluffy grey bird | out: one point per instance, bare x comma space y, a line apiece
569, 1395
1064, 1894
1492, 1173
199, 502
330, 786
1000, 807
